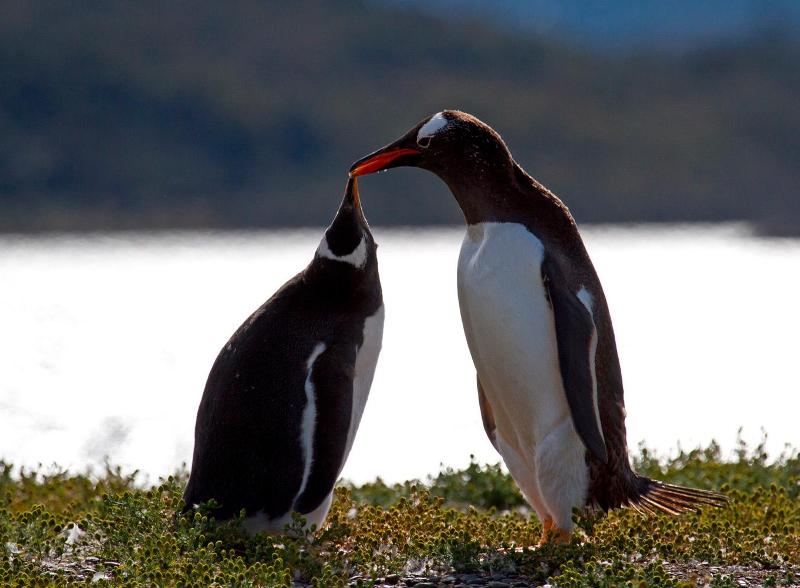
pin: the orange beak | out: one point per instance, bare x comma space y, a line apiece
351, 193
379, 161
356, 196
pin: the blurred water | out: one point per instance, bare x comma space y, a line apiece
107, 340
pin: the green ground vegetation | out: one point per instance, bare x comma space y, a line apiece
59, 528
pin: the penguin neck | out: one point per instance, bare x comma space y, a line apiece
484, 194
505, 194
356, 257
346, 240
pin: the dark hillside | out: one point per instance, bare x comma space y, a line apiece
248, 113
615, 26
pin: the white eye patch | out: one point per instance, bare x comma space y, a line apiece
433, 126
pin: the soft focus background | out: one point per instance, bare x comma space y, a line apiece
165, 167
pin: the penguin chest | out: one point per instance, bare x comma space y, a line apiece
510, 330
366, 360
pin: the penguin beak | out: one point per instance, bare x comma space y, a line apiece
390, 156
352, 201
351, 193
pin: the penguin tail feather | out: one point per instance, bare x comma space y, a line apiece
656, 496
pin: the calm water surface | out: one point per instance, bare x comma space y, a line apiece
107, 340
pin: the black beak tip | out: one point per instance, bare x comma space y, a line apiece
351, 195
358, 162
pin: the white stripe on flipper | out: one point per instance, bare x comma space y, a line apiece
357, 257
586, 299
309, 419
436, 123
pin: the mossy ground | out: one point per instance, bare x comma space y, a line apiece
462, 526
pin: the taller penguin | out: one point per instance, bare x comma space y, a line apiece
538, 329
285, 396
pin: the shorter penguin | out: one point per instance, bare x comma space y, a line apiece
285, 395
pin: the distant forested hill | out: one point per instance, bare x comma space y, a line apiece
248, 113
626, 25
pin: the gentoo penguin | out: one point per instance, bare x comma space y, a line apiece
285, 396
537, 327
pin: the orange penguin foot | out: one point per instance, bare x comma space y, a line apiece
552, 534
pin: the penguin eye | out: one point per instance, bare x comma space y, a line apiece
424, 142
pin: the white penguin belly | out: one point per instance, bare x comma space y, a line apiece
510, 331
366, 360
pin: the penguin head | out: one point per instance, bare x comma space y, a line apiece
452, 144
348, 242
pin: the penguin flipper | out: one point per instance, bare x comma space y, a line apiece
487, 416
332, 379
576, 336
